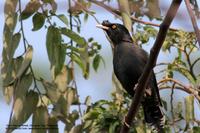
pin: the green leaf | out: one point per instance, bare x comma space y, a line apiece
189, 108
40, 120
196, 129
86, 17
88, 101
82, 64
96, 62
113, 127
91, 115
30, 9
23, 108
56, 51
38, 21
74, 36
63, 18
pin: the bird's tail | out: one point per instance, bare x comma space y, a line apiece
153, 114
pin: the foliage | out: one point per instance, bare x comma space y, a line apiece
65, 49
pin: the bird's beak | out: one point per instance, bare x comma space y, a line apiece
102, 27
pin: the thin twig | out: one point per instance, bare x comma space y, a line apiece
144, 78
171, 103
192, 66
117, 14
181, 87
189, 63
72, 62
48, 20
193, 19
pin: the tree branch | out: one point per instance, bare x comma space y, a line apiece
143, 80
181, 87
117, 14
193, 19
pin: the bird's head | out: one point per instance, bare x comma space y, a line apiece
116, 32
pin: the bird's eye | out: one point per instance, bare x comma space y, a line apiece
114, 26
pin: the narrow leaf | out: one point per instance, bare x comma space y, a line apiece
189, 108
61, 79
26, 62
56, 51
96, 62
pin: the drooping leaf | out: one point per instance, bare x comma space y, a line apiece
26, 62
189, 108
81, 64
60, 108
40, 120
54, 124
113, 127
30, 9
88, 101
15, 42
8, 93
96, 62
10, 76
26, 106
153, 9
52, 91
76, 129
56, 51
72, 117
71, 97
23, 85
38, 21
62, 79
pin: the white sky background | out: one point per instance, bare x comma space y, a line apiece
99, 85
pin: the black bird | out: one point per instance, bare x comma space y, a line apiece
129, 61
